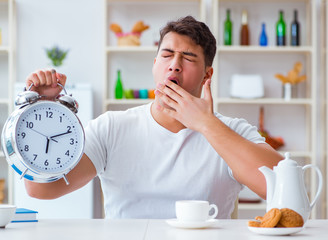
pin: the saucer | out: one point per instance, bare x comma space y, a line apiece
275, 231
180, 224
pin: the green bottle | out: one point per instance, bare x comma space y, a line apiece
119, 86
281, 30
228, 30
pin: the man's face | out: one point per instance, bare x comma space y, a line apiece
180, 60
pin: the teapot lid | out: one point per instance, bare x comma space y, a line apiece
287, 162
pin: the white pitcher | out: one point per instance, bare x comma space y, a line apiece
286, 188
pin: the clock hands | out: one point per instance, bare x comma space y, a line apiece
60, 134
47, 147
50, 138
43, 135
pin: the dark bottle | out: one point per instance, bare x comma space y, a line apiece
281, 30
295, 31
228, 29
244, 33
118, 86
263, 37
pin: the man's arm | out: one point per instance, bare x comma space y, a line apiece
79, 176
45, 83
243, 156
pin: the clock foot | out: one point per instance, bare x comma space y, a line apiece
66, 181
23, 173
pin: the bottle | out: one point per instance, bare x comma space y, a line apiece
228, 30
119, 86
281, 30
295, 31
263, 37
244, 33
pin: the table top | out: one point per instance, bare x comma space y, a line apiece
145, 229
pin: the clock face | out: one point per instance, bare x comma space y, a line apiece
49, 137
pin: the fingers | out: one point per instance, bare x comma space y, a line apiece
166, 99
176, 88
47, 77
61, 78
207, 90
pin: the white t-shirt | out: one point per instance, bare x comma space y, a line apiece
144, 168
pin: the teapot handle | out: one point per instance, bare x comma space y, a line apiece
319, 184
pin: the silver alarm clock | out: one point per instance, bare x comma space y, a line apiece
43, 140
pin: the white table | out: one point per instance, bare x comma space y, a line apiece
144, 229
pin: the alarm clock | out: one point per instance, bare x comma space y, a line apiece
43, 140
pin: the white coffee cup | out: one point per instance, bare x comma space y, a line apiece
194, 210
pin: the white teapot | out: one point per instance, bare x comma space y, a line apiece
286, 188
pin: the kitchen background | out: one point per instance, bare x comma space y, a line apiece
82, 27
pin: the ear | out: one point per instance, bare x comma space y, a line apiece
154, 60
208, 74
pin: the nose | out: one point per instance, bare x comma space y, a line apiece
175, 65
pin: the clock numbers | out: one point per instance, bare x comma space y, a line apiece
60, 119
35, 156
67, 153
46, 163
37, 117
26, 148
58, 161
71, 141
29, 124
49, 114
23, 134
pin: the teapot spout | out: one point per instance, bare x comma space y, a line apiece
270, 178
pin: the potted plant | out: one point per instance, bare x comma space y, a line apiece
56, 55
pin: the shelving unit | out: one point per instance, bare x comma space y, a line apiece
324, 104
135, 60
7, 77
294, 120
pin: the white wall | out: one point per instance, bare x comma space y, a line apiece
72, 24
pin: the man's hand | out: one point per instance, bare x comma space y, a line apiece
45, 82
191, 111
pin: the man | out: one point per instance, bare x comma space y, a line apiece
171, 149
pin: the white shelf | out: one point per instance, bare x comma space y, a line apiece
4, 49
127, 101
8, 78
248, 59
4, 101
114, 56
299, 101
136, 49
298, 154
267, 49
147, 1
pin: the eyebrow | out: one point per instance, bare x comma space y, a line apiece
184, 53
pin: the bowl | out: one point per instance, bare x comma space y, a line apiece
7, 213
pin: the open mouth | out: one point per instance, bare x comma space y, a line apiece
174, 81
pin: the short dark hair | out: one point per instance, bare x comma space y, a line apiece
197, 31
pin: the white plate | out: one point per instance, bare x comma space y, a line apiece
275, 231
179, 224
